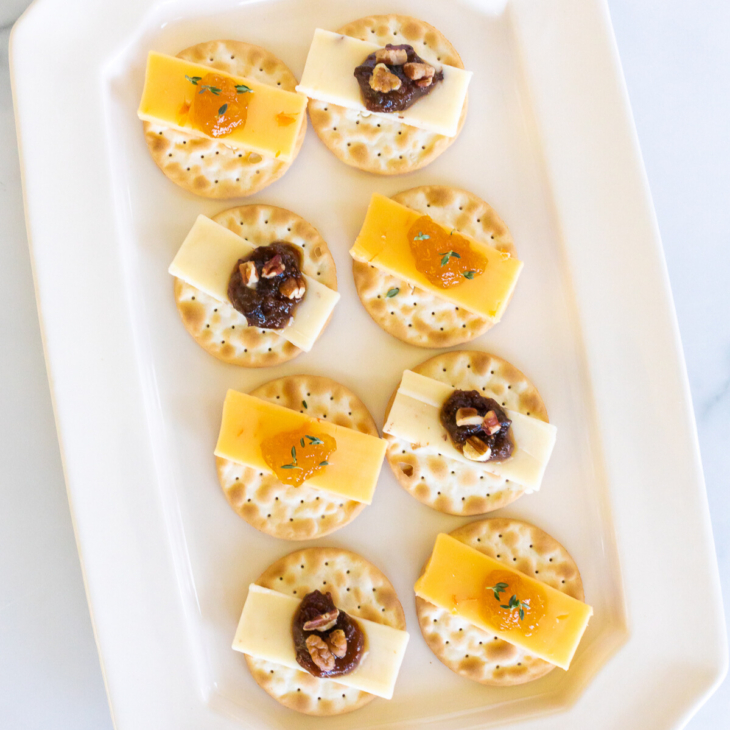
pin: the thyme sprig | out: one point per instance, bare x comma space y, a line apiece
447, 256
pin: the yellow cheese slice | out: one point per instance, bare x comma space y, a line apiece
329, 76
383, 242
207, 258
166, 91
457, 570
264, 632
353, 469
415, 417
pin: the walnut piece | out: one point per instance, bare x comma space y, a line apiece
391, 56
273, 267
320, 653
423, 83
383, 80
323, 622
468, 417
491, 424
416, 71
337, 642
249, 275
293, 288
476, 450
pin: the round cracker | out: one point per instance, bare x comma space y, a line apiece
379, 145
448, 485
296, 513
414, 315
209, 167
359, 589
222, 330
474, 653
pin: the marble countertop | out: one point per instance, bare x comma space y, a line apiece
677, 65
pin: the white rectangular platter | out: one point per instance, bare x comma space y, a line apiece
549, 143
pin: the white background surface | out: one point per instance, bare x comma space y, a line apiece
677, 65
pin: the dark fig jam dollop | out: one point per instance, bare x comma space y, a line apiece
320, 661
500, 442
263, 301
397, 100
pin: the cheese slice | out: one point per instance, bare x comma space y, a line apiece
329, 76
383, 243
264, 632
456, 570
207, 258
353, 469
416, 417
167, 91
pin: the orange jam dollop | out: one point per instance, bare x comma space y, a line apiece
219, 106
446, 259
295, 456
511, 604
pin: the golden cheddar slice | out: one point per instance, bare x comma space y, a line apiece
167, 91
457, 578
352, 471
383, 242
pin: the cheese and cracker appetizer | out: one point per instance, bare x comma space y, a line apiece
434, 266
500, 602
299, 457
323, 632
387, 92
255, 286
467, 433
222, 119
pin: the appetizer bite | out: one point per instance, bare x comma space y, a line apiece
222, 119
299, 457
323, 632
434, 266
501, 602
387, 92
255, 286
467, 433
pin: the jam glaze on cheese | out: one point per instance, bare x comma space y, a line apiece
295, 456
475, 422
218, 106
510, 604
410, 77
266, 285
446, 259
328, 642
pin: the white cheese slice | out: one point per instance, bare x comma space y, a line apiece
329, 76
264, 632
415, 417
206, 260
